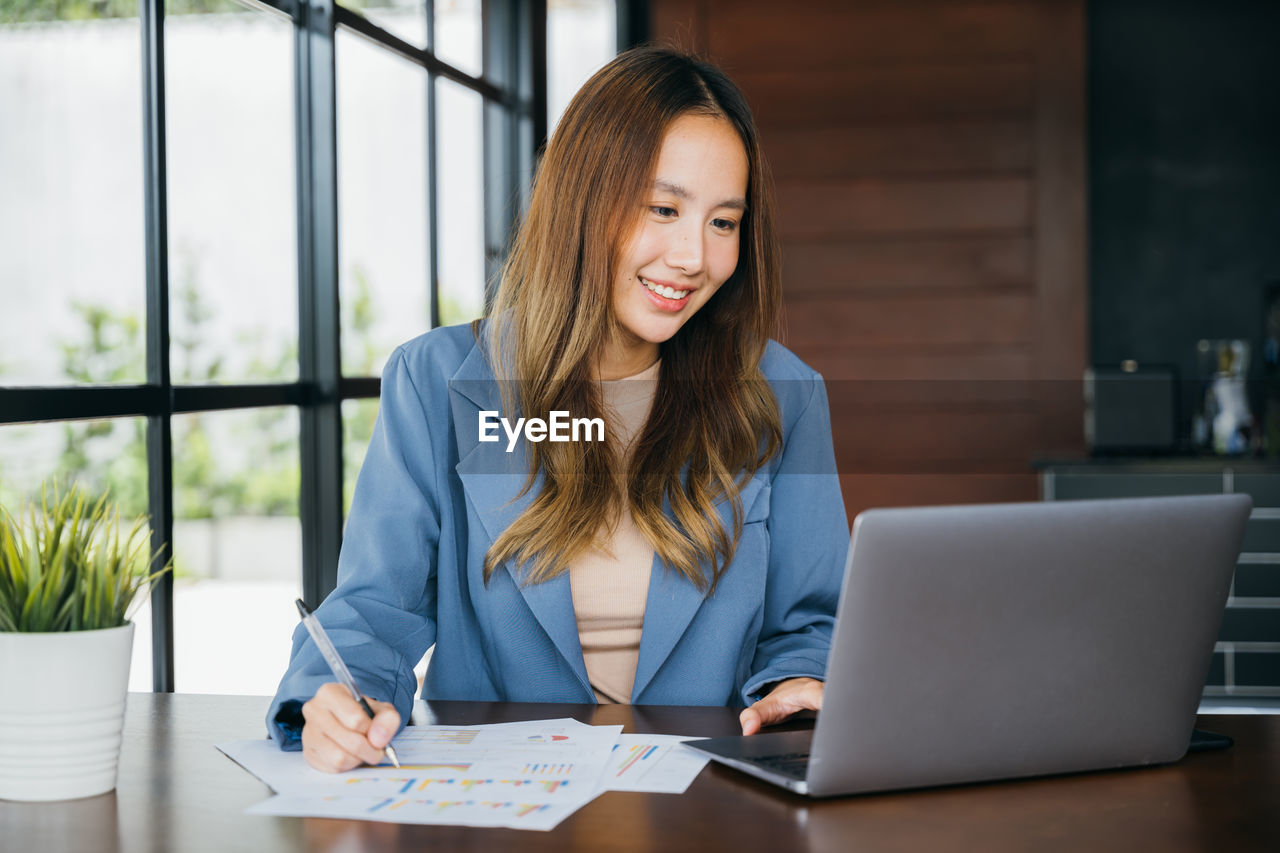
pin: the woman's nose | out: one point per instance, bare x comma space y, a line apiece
686, 251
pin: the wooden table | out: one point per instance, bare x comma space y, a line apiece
177, 794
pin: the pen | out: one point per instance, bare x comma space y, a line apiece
340, 671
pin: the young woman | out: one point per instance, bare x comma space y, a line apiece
692, 556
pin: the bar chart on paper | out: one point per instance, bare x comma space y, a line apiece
547, 770
654, 763
514, 813
529, 775
633, 756
440, 807
457, 736
521, 775
389, 785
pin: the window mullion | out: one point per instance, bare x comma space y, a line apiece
515, 60
320, 501
159, 428
433, 217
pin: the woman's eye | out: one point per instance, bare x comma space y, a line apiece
662, 210
727, 225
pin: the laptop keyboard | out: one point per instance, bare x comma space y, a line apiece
793, 765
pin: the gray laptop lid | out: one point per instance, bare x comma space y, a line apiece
995, 641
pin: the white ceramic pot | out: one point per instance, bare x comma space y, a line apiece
61, 712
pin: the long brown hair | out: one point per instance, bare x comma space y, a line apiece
552, 318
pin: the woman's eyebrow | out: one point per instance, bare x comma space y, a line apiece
680, 192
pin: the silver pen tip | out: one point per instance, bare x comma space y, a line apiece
391, 753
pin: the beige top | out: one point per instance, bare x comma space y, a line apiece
610, 582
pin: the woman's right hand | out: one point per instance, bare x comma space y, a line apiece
338, 735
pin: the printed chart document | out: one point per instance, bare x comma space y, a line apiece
653, 763
528, 775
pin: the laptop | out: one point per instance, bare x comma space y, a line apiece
984, 642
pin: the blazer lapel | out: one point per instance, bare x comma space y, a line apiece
673, 600
491, 479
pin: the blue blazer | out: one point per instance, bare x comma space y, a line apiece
431, 499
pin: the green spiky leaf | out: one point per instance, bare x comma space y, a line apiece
65, 566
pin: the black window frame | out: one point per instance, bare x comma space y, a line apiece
513, 87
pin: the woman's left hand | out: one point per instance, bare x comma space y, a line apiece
786, 698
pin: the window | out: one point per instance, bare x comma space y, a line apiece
64, 81
580, 39
384, 234
204, 273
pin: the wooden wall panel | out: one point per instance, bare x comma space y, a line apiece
993, 363
831, 34
888, 93
923, 148
934, 440
866, 491
898, 323
928, 157
818, 268
842, 209
1062, 305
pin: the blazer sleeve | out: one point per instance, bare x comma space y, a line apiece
808, 543
381, 616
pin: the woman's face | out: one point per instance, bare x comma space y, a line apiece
687, 243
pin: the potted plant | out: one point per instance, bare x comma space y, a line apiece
68, 580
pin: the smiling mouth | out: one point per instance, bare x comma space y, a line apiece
665, 291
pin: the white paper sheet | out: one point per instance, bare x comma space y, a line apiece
514, 813
653, 763
495, 775
528, 775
